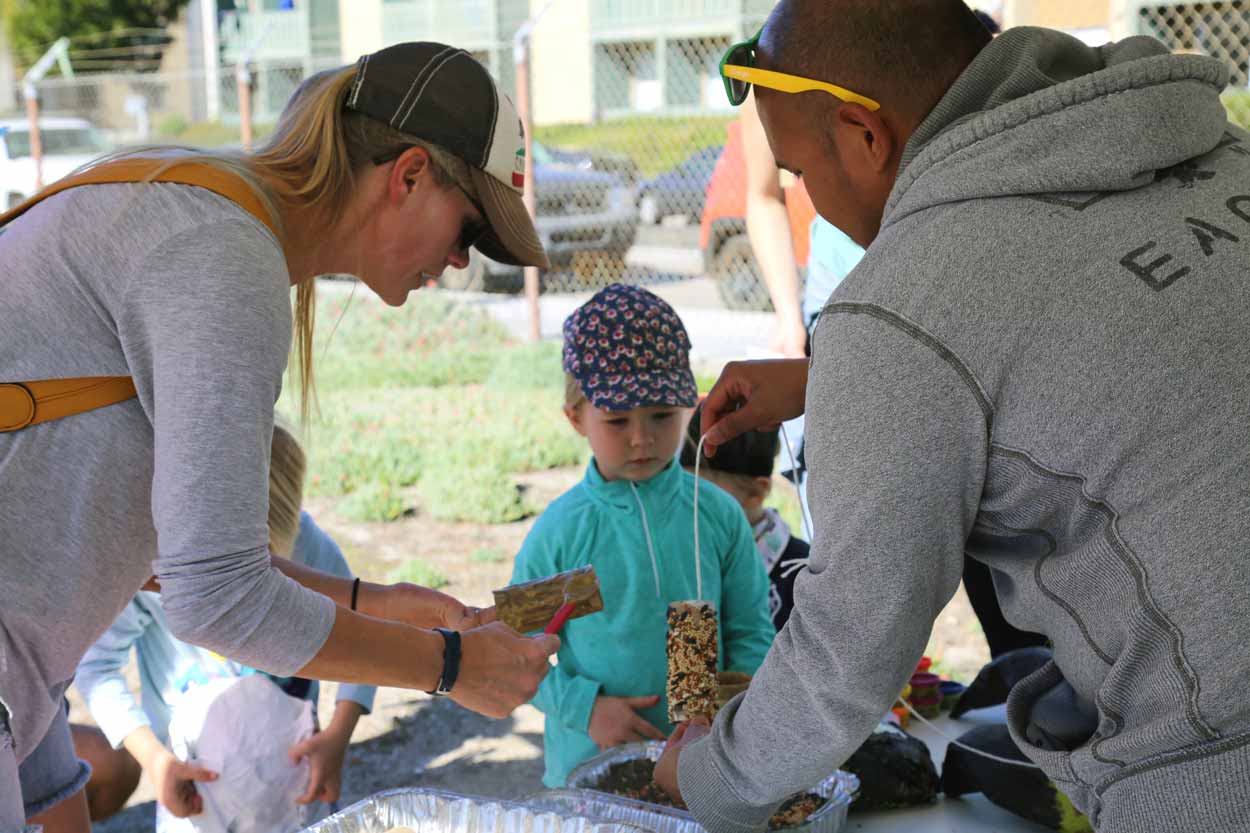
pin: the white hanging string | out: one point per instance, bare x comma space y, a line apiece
646, 528
972, 749
794, 477
698, 569
793, 565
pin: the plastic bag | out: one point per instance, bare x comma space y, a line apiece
242, 729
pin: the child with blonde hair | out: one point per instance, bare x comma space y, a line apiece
134, 735
629, 392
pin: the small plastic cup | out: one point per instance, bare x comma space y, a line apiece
950, 691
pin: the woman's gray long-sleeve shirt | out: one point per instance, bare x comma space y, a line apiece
188, 294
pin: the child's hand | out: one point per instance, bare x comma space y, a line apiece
325, 752
175, 784
615, 720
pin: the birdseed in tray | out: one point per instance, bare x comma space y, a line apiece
633, 779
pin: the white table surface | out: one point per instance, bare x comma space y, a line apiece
967, 814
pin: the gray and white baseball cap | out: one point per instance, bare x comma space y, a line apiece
442, 95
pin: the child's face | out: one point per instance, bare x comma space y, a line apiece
630, 445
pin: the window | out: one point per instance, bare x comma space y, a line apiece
56, 141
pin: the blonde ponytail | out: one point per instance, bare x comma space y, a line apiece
312, 161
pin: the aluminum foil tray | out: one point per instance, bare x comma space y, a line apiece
580, 796
604, 805
439, 811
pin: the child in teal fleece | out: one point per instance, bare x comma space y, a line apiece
629, 391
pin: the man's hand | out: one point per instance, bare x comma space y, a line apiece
666, 768
500, 669
174, 781
753, 395
615, 720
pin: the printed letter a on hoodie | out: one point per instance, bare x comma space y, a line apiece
1208, 233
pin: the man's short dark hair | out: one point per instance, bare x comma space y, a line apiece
903, 53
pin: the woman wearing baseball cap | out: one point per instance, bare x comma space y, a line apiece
145, 325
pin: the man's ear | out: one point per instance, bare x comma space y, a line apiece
867, 141
765, 485
573, 413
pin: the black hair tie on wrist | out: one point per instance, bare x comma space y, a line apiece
451, 661
355, 590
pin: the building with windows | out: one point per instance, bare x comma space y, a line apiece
600, 59
606, 57
1089, 21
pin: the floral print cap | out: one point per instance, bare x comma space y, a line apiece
628, 349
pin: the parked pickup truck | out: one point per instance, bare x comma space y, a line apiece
67, 144
581, 209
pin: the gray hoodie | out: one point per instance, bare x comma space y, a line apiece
1042, 360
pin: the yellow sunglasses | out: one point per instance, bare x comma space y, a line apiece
738, 71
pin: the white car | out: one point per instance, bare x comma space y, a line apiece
68, 143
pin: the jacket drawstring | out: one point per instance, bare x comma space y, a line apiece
793, 565
646, 528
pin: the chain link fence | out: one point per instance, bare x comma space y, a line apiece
196, 107
1221, 30
639, 174
631, 124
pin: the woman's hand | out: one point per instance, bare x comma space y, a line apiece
500, 669
421, 607
753, 395
790, 338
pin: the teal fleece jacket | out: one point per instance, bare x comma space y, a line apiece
619, 651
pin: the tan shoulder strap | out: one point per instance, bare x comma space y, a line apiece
23, 404
144, 169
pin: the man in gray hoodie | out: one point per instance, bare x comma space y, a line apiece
1043, 360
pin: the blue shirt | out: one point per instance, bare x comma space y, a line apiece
833, 256
169, 667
